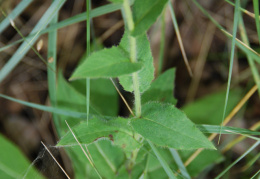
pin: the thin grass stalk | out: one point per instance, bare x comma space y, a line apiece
87, 54
51, 71
162, 44
16, 12
240, 158
162, 161
236, 19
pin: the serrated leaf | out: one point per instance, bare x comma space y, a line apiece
145, 13
13, 164
144, 55
167, 126
162, 89
105, 63
116, 130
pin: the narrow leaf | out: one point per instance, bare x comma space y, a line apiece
167, 126
104, 64
162, 161
145, 13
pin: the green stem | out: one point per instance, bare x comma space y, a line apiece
130, 24
88, 53
51, 71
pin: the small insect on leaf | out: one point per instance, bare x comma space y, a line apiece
50, 60
39, 45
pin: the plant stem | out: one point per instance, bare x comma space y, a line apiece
88, 53
130, 24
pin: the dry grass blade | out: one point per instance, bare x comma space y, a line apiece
124, 100
55, 160
205, 46
89, 159
174, 20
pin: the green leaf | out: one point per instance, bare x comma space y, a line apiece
162, 89
207, 109
116, 130
144, 55
145, 13
167, 126
13, 163
104, 64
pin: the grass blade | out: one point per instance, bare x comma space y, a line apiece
257, 22
162, 161
16, 12
180, 164
237, 160
47, 108
175, 24
250, 59
72, 20
24, 48
225, 130
236, 18
51, 71
87, 54
239, 44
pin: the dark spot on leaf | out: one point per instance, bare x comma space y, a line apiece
123, 146
111, 137
116, 131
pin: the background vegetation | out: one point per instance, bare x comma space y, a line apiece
200, 86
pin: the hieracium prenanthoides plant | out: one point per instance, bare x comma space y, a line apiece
157, 140
144, 144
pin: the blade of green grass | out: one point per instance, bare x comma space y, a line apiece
72, 20
51, 71
236, 18
175, 24
225, 130
257, 22
256, 174
237, 160
47, 108
88, 8
16, 12
243, 10
24, 48
162, 161
180, 164
239, 44
162, 43
250, 59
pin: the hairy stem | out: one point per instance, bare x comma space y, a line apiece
130, 25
